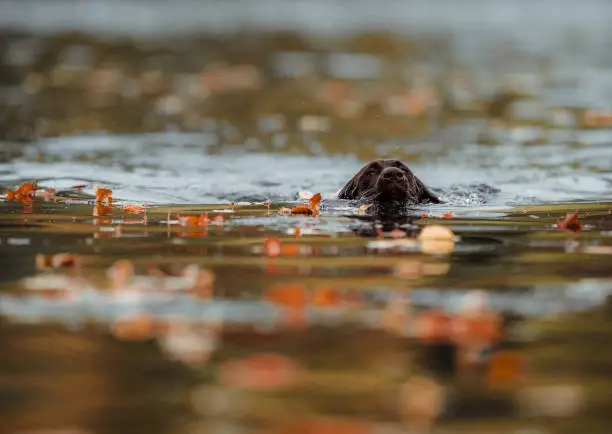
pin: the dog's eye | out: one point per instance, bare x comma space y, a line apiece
372, 172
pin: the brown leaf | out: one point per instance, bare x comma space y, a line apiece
302, 209
569, 223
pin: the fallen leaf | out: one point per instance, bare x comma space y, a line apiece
134, 209
193, 220
23, 193
447, 215
505, 368
27, 188
311, 209
326, 297
102, 209
315, 201
569, 223
292, 296
272, 247
104, 195
302, 210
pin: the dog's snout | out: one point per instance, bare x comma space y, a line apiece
392, 173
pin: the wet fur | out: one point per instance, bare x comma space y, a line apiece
363, 186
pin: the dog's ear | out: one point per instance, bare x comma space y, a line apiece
426, 194
349, 190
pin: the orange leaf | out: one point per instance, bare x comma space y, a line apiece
290, 249
315, 201
570, 223
104, 195
291, 295
302, 209
102, 209
23, 193
325, 297
272, 246
447, 215
188, 220
134, 209
311, 209
505, 368
27, 189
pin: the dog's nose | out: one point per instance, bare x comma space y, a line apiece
392, 174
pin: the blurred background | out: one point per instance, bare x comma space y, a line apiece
353, 68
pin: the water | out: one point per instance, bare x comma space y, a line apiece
263, 322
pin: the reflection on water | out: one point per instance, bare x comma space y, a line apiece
159, 275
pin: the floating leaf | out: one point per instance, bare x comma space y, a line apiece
310, 209
569, 223
272, 247
102, 209
193, 220
291, 295
134, 209
301, 210
23, 193
104, 195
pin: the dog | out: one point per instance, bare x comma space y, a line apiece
387, 183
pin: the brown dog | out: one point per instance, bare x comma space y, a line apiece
387, 182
